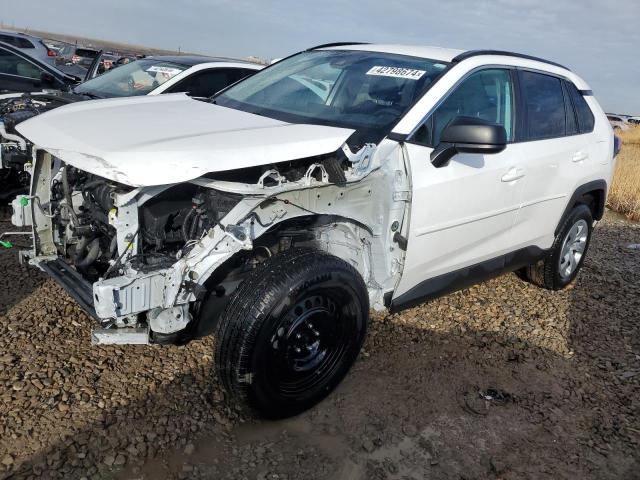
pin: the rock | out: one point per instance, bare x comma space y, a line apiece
109, 460
7, 460
120, 460
18, 386
189, 449
410, 430
368, 445
498, 465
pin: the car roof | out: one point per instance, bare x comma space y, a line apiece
192, 60
434, 53
19, 34
454, 56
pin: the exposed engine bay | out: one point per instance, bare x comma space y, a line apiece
160, 262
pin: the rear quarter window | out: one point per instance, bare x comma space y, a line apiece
23, 43
16, 41
583, 111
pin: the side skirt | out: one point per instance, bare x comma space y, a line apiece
465, 277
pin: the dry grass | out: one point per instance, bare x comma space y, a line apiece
624, 195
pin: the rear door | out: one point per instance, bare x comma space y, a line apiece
555, 156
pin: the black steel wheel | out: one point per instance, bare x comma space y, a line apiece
291, 331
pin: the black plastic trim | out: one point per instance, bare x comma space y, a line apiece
465, 277
586, 93
398, 137
73, 283
335, 44
478, 53
568, 103
386, 299
597, 186
520, 107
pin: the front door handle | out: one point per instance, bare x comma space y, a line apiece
514, 173
579, 157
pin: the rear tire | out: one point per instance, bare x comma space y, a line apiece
566, 256
291, 332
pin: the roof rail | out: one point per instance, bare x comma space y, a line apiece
335, 44
477, 53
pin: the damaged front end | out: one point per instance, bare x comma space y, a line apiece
159, 263
15, 150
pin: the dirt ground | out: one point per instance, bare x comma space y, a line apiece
502, 380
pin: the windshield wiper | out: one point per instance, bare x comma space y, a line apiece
90, 95
86, 94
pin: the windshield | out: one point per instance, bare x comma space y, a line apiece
135, 78
353, 89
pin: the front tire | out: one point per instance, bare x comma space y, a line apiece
291, 332
565, 258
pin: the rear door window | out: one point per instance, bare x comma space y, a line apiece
544, 104
16, 41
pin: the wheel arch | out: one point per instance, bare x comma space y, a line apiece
207, 309
593, 194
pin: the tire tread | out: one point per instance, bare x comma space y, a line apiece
240, 323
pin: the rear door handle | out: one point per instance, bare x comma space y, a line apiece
579, 156
514, 173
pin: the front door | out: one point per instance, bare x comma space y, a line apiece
462, 213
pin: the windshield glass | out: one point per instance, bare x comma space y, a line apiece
135, 78
353, 89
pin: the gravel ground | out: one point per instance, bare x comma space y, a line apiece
502, 380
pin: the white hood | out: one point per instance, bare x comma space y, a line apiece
157, 140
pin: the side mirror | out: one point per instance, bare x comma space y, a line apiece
468, 135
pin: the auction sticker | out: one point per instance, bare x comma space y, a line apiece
166, 70
397, 72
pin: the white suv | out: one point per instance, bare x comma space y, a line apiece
344, 176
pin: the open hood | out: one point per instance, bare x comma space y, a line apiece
164, 139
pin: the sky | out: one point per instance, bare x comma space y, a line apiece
597, 39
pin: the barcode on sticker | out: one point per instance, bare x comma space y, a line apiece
397, 72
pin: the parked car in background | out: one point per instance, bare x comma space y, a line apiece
195, 76
198, 76
108, 61
84, 56
21, 72
277, 212
618, 122
76, 55
76, 60
124, 59
33, 46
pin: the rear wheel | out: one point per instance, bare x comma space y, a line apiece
291, 332
566, 256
